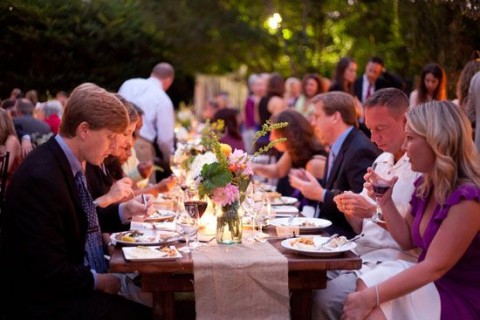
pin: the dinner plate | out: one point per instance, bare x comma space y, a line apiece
284, 211
304, 224
160, 215
150, 253
312, 251
144, 237
284, 201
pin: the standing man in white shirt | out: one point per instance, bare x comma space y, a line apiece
385, 117
156, 135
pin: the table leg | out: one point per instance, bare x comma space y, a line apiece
301, 304
163, 305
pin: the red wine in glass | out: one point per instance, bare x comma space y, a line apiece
380, 189
201, 205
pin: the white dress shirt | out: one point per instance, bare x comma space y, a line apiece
377, 245
159, 117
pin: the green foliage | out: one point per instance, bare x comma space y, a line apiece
214, 176
52, 45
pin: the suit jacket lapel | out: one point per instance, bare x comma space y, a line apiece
67, 171
339, 159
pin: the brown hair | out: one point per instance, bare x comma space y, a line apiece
395, 100
337, 101
96, 106
440, 92
132, 112
301, 142
6, 127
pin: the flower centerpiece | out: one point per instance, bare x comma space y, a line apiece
224, 175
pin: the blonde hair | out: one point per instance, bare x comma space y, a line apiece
96, 106
6, 127
448, 132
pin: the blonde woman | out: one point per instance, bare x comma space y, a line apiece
444, 222
9, 142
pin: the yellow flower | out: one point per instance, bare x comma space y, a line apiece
226, 149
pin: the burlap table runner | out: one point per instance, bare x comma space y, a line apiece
246, 281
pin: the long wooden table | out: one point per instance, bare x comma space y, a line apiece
164, 278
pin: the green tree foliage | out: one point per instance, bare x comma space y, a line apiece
52, 45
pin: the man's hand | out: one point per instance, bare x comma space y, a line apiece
354, 205
108, 283
306, 183
27, 146
120, 191
136, 206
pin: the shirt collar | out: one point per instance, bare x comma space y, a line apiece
338, 143
156, 81
75, 164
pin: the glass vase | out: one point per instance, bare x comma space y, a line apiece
229, 223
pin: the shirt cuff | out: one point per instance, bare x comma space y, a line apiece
122, 215
95, 281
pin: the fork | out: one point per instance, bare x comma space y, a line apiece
352, 240
333, 236
290, 220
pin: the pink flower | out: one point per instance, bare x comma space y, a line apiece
226, 195
239, 161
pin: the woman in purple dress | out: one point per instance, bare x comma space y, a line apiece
444, 223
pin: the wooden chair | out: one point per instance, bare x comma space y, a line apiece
3, 176
3, 184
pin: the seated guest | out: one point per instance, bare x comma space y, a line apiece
26, 124
385, 118
9, 143
300, 150
231, 130
49, 217
50, 112
351, 153
431, 86
443, 222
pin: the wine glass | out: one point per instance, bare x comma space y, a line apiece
380, 180
187, 225
253, 204
192, 198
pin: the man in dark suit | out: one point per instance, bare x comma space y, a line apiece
374, 78
351, 153
44, 221
26, 124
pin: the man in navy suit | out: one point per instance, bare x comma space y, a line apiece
351, 153
44, 224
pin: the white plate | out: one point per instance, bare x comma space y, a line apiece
304, 224
160, 215
149, 253
284, 201
314, 252
285, 210
148, 237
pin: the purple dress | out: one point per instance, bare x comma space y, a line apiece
459, 288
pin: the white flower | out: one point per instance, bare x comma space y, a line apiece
199, 161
